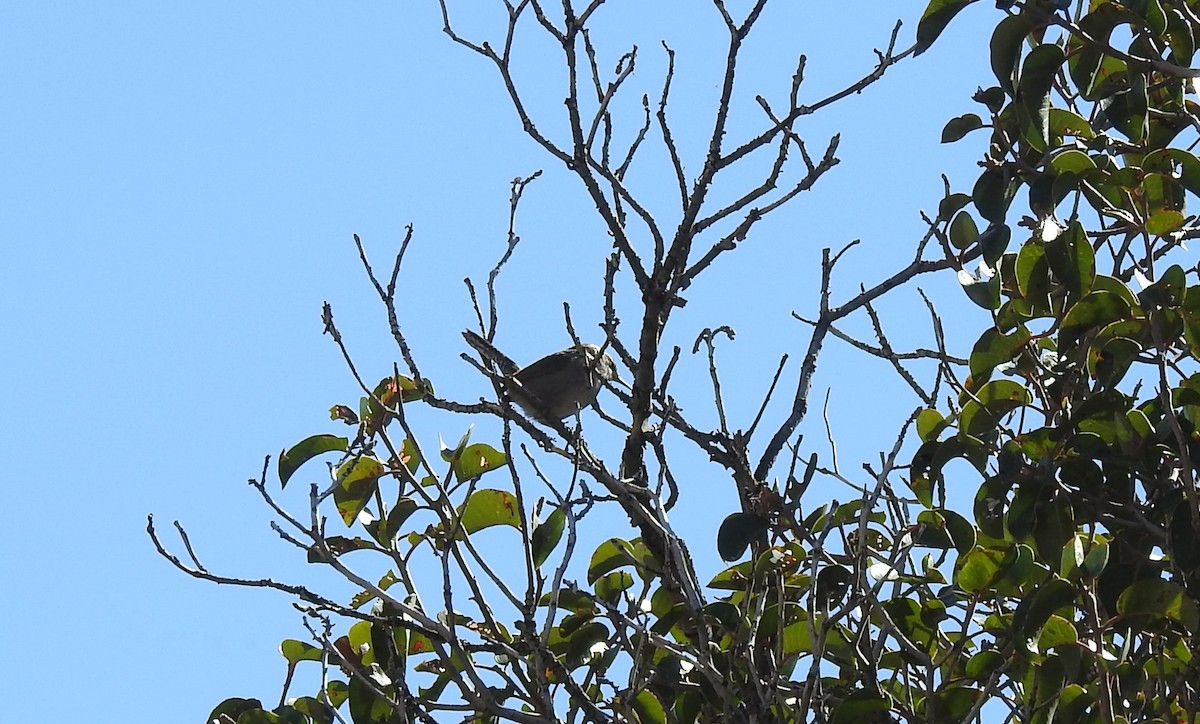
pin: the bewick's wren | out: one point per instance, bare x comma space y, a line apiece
556, 386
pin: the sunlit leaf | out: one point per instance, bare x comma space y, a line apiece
486, 508
357, 480
1162, 599
978, 569
610, 555
648, 708
295, 651
930, 424
996, 348
994, 400
477, 459
610, 586
1096, 309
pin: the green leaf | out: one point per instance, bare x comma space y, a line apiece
450, 453
992, 194
1037, 77
410, 455
1164, 222
570, 598
1066, 123
1129, 110
1041, 195
367, 707
385, 531
1073, 702
610, 586
1161, 599
1179, 35
933, 21
1035, 609
389, 394
995, 348
1049, 677
648, 708
737, 532
922, 487
1096, 309
305, 450
260, 717
1096, 558
932, 456
1175, 162
610, 555
337, 692
1072, 260
992, 97
357, 481
963, 231
950, 205
994, 400
733, 578
546, 535
860, 706
1072, 555
944, 529
832, 584
1160, 191
688, 704
1113, 285
1095, 74
296, 651
979, 569
477, 459
1007, 39
1109, 359
486, 508
336, 545
233, 708
994, 242
983, 292
981, 665
1191, 320
318, 712
1152, 12
930, 424
958, 127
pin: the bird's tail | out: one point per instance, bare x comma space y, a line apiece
489, 352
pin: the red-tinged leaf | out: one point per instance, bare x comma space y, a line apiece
475, 460
486, 508
357, 481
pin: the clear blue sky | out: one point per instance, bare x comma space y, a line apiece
179, 183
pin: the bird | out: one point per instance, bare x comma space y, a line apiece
556, 386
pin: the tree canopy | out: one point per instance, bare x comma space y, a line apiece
1067, 592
